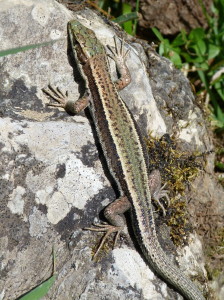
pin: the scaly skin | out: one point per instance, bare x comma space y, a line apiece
124, 151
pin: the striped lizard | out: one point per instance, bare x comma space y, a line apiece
124, 151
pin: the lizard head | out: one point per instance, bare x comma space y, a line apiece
84, 41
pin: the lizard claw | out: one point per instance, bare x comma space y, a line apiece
57, 95
119, 56
118, 53
108, 229
157, 191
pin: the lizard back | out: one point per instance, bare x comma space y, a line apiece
124, 152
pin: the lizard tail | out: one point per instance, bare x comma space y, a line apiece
163, 265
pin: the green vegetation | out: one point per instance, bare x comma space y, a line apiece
201, 52
41, 290
25, 48
120, 12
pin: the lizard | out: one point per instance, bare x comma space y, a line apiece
124, 150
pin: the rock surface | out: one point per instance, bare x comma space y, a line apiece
53, 183
170, 17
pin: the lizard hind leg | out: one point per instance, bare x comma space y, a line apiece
114, 214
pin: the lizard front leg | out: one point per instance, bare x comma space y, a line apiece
119, 56
70, 106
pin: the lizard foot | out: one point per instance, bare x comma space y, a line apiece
157, 191
70, 106
119, 56
160, 194
57, 95
108, 229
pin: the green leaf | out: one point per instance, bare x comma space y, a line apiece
204, 66
178, 41
213, 51
126, 17
202, 77
186, 56
135, 21
157, 34
40, 291
175, 49
201, 47
184, 35
220, 115
176, 59
197, 34
197, 59
161, 49
126, 10
27, 47
100, 3
219, 86
167, 47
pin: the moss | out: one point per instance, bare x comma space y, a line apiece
177, 169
